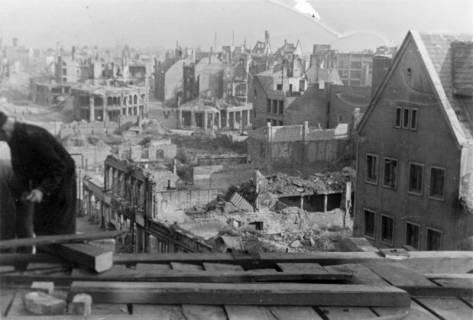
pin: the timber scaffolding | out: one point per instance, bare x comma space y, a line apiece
382, 284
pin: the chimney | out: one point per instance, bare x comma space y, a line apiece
73, 53
462, 68
381, 66
266, 36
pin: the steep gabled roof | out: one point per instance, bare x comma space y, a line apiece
435, 52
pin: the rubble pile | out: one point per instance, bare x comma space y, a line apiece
319, 183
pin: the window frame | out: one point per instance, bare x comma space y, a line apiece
411, 110
418, 235
405, 124
442, 198
427, 238
409, 191
396, 125
390, 242
373, 236
396, 179
376, 169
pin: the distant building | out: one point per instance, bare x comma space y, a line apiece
297, 146
415, 148
176, 80
355, 68
105, 103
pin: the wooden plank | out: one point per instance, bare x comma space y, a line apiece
248, 313
56, 239
398, 275
150, 267
209, 266
447, 308
458, 276
89, 256
263, 260
298, 312
185, 266
11, 259
353, 313
420, 259
247, 293
121, 273
415, 312
199, 312
361, 274
302, 267
295, 313
173, 312
454, 283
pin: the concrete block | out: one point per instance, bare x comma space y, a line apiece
46, 287
41, 303
82, 304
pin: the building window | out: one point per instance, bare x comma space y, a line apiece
398, 117
437, 181
412, 235
369, 223
281, 106
268, 105
416, 173
339, 118
371, 168
275, 106
387, 228
279, 87
405, 118
413, 119
390, 173
434, 238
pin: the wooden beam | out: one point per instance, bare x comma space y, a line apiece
86, 255
263, 259
243, 294
11, 259
130, 275
55, 239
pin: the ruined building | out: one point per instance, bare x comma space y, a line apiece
107, 103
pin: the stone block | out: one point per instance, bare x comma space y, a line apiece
81, 304
40, 303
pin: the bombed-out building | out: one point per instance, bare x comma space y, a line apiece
106, 103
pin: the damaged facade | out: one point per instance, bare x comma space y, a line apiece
297, 146
414, 157
109, 103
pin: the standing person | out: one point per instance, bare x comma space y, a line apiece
45, 174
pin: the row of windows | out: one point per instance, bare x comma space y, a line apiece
412, 234
274, 122
275, 106
416, 176
406, 118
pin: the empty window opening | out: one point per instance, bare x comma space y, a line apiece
387, 227
437, 181
416, 172
412, 235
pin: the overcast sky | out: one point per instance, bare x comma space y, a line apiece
160, 23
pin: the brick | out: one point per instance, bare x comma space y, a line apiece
82, 304
41, 303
